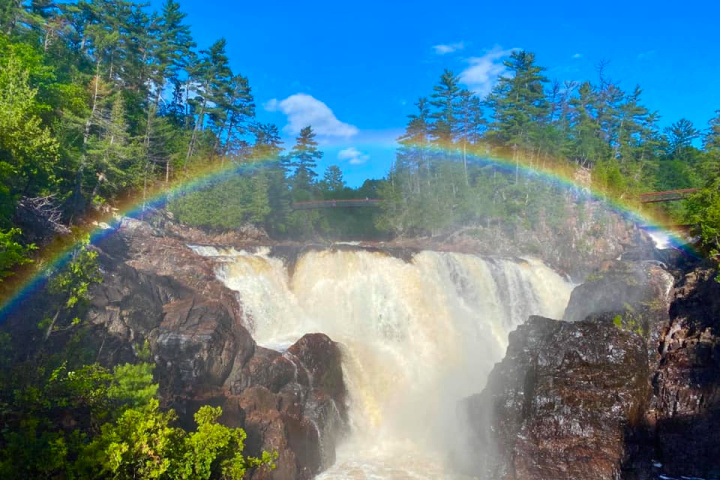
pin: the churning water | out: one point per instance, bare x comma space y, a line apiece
416, 337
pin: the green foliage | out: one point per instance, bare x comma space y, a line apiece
144, 444
71, 283
703, 210
88, 423
132, 384
76, 277
303, 159
12, 253
227, 204
28, 151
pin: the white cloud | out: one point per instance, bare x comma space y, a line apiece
577, 55
448, 48
303, 110
355, 156
646, 55
483, 72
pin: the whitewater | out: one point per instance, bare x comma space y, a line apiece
416, 336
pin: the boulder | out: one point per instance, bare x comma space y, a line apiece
559, 404
294, 404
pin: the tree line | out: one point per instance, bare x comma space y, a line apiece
538, 124
102, 98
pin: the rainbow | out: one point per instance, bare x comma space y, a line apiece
17, 289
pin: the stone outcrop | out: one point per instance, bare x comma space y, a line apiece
637, 295
294, 404
684, 417
156, 290
558, 404
628, 386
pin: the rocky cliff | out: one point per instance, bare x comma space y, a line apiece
626, 387
157, 290
557, 406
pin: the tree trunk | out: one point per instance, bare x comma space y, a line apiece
191, 145
52, 324
467, 180
86, 138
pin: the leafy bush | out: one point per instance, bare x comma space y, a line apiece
12, 252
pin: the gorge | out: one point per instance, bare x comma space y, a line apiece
417, 335
386, 361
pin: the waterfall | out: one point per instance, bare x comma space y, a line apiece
416, 337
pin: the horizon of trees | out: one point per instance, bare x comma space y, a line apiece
102, 98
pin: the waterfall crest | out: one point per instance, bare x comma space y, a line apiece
416, 337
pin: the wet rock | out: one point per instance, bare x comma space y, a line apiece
685, 412
322, 360
558, 405
636, 295
294, 404
621, 286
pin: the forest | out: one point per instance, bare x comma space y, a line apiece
108, 99
105, 100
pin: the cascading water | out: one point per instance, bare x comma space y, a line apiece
417, 337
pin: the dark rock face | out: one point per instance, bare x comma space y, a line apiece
295, 405
684, 418
637, 294
158, 290
558, 404
628, 388
620, 286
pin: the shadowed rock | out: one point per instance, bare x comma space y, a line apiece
557, 405
158, 290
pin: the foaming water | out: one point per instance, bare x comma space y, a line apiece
416, 337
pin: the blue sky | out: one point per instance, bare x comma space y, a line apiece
354, 69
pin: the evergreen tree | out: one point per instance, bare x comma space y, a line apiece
680, 136
174, 45
332, 181
519, 105
587, 146
445, 100
112, 153
518, 101
303, 158
212, 72
230, 119
470, 125
711, 139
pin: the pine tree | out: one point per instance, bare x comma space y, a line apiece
231, 116
519, 105
212, 72
711, 139
412, 164
470, 125
332, 181
445, 100
174, 44
268, 144
518, 101
112, 154
680, 136
587, 145
303, 157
